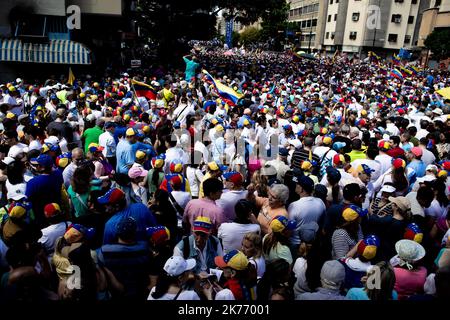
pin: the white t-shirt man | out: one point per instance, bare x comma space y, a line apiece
182, 198
51, 234
228, 200
385, 162
106, 140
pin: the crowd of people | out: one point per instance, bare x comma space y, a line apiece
325, 179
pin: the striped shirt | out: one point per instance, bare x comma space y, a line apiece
301, 155
342, 243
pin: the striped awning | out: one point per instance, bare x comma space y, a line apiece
56, 51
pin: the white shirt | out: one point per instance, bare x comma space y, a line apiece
106, 140
232, 234
172, 154
372, 164
260, 265
385, 162
422, 133
195, 177
305, 210
184, 295
182, 111
51, 234
427, 156
182, 197
228, 200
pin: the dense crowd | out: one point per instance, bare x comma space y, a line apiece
325, 179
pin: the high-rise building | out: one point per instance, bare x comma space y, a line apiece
308, 15
362, 25
437, 16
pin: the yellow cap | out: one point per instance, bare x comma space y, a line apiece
10, 115
130, 132
140, 155
219, 128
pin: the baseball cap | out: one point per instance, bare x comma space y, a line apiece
177, 265
305, 182
110, 124
126, 228
432, 168
63, 160
94, 147
368, 247
140, 155
113, 196
353, 212
202, 224
131, 132
268, 170
158, 162
8, 160
158, 234
398, 163
233, 176
17, 210
16, 191
43, 160
306, 165
176, 166
384, 145
364, 168
280, 223
338, 159
283, 152
234, 259
136, 172
327, 140
287, 127
417, 151
52, 210
76, 232
388, 188
413, 232
333, 272
213, 166
402, 203
333, 174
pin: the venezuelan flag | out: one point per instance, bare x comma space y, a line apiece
143, 90
227, 94
396, 74
406, 70
415, 70
374, 55
396, 59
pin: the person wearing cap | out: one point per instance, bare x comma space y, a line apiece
398, 176
280, 163
174, 153
17, 224
92, 135
275, 245
205, 206
369, 161
108, 143
332, 276
172, 282
159, 241
155, 175
305, 210
201, 245
235, 266
325, 153
128, 260
410, 277
44, 188
116, 207
358, 152
232, 194
384, 158
214, 170
138, 192
58, 225
359, 261
125, 154
415, 161
95, 155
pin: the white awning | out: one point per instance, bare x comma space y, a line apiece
56, 51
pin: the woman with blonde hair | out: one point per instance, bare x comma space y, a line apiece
252, 248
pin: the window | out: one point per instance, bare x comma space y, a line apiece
337, 1
308, 23
396, 18
353, 35
392, 37
314, 23
335, 17
398, 1
414, 2
329, 18
304, 24
438, 3
410, 19
355, 16
332, 36
331, 1
407, 39
327, 35
316, 7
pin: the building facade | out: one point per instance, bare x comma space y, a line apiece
308, 17
379, 25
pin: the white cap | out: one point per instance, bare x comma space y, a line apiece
16, 191
438, 111
90, 117
54, 141
8, 160
388, 188
18, 80
176, 265
225, 294
431, 167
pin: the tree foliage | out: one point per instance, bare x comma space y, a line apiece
439, 43
250, 35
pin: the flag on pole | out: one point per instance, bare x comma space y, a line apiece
143, 90
405, 70
71, 78
229, 95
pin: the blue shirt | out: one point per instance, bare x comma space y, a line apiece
361, 294
144, 219
190, 69
125, 156
419, 167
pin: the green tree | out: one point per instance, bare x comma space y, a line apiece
439, 43
250, 35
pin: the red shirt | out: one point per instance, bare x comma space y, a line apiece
396, 152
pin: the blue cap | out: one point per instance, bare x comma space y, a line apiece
366, 169
338, 145
283, 152
177, 125
110, 124
305, 182
43, 160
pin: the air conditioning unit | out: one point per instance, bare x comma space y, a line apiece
355, 18
398, 20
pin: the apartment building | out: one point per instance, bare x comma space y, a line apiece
362, 25
308, 14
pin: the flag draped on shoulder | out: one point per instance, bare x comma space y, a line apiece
143, 90
229, 95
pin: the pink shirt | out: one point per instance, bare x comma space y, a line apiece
408, 283
203, 207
